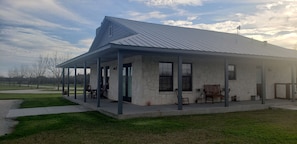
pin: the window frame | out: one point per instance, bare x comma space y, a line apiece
232, 74
171, 77
191, 78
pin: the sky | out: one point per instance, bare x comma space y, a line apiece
30, 28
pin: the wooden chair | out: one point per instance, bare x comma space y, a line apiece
213, 92
185, 100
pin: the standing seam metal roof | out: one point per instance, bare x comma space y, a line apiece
172, 37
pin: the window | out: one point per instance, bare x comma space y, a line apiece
110, 31
232, 72
165, 76
187, 77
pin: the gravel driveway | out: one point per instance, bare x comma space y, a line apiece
6, 125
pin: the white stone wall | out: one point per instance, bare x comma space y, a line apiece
276, 72
206, 70
136, 62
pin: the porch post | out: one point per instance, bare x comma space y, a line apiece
63, 80
293, 82
98, 81
263, 81
226, 83
105, 75
179, 95
75, 70
120, 82
68, 81
85, 81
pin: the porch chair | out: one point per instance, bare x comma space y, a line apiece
92, 93
185, 100
212, 92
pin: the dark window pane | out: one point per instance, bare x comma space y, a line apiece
165, 76
165, 69
187, 69
187, 77
232, 72
187, 83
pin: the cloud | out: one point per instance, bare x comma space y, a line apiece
171, 3
86, 43
45, 7
145, 16
275, 22
24, 45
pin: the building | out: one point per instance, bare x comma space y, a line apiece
153, 64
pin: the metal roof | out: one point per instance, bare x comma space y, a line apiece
149, 37
190, 39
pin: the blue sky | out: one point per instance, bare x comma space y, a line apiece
29, 28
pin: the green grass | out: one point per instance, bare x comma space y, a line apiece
266, 126
14, 87
38, 100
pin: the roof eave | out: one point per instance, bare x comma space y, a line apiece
195, 52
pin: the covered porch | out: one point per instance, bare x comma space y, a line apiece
109, 107
121, 109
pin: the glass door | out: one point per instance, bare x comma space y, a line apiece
127, 82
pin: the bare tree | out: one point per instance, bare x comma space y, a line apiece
13, 74
39, 69
29, 74
52, 62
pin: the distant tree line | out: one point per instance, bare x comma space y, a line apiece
43, 71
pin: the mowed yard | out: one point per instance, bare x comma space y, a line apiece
265, 126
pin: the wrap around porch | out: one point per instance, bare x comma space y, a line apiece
109, 107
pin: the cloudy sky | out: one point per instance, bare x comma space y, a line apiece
30, 28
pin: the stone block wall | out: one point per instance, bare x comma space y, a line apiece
205, 70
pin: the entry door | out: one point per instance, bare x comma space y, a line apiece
127, 82
259, 81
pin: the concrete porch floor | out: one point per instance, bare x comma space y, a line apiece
109, 107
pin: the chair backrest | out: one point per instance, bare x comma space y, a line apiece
212, 89
88, 88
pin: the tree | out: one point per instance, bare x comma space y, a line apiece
39, 69
13, 74
51, 63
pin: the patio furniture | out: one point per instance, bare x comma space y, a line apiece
200, 96
185, 100
92, 93
212, 92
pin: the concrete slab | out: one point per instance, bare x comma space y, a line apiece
287, 107
14, 113
109, 107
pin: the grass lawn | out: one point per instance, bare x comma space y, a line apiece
38, 100
14, 87
265, 126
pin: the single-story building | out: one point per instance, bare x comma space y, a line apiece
153, 64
